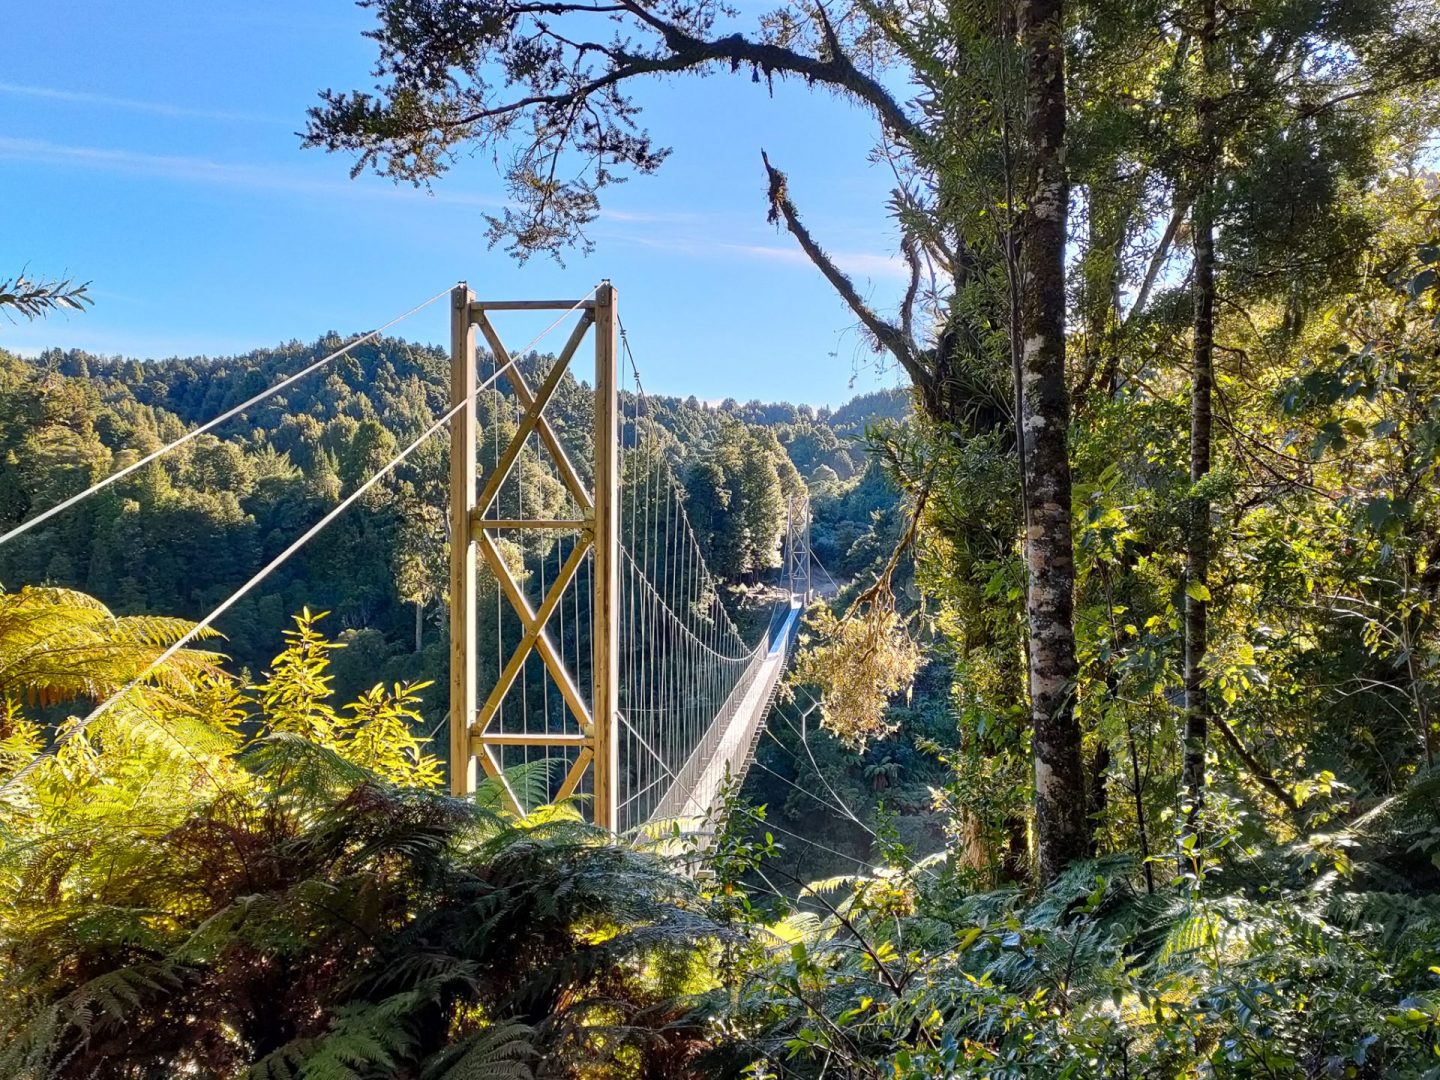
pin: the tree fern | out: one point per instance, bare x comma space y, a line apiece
57, 645
495, 1052
278, 905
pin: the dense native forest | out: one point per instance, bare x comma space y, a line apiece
181, 534
1113, 753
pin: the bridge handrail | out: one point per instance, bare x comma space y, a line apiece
674, 615
775, 643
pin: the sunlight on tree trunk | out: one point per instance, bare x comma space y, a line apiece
1060, 821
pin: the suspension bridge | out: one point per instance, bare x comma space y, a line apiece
610, 670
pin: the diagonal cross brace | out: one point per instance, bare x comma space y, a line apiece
534, 632
535, 419
534, 639
528, 617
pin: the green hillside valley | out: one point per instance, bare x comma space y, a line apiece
1008, 648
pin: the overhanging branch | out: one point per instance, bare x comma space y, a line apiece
836, 70
686, 52
887, 334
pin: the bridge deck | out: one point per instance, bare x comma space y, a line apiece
726, 749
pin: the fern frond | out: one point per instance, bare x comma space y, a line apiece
496, 1052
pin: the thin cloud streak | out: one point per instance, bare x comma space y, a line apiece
196, 170
857, 263
155, 108
204, 171
863, 264
650, 217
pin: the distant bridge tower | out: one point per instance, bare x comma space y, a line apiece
799, 573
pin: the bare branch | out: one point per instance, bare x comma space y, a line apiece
835, 70
1261, 774
910, 250
832, 40
888, 335
687, 52
1157, 260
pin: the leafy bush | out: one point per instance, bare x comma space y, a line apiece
1285, 972
296, 902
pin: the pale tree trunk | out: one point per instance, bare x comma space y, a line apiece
1061, 825
419, 624
1197, 539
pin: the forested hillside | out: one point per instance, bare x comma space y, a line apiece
231, 874
181, 534
1108, 750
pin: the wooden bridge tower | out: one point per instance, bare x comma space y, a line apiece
472, 536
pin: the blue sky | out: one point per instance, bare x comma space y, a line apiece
150, 147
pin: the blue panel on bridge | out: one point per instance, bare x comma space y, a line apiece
783, 627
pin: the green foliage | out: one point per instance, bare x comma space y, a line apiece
859, 664
57, 645
1294, 934
735, 499
179, 535
290, 896
33, 298
900, 975
1287, 927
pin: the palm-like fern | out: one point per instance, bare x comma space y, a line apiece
400, 932
59, 645
284, 906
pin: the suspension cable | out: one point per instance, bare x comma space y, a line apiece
270, 567
669, 473
100, 485
689, 664
816, 560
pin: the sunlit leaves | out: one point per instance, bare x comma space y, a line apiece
33, 297
283, 892
860, 664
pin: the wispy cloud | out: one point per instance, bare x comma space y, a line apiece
651, 217
172, 166
696, 235
856, 263
186, 169
863, 264
154, 108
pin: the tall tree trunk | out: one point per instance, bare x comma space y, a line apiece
1411, 627
1197, 540
1061, 824
1099, 798
419, 624
1107, 219
1137, 790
